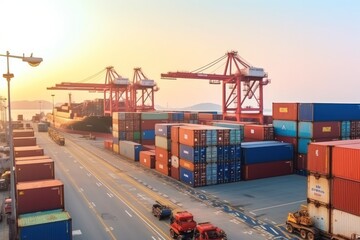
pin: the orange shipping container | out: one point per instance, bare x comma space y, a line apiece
23, 133
32, 158
346, 195
147, 159
162, 168
28, 151
162, 155
318, 158
346, 162
24, 141
258, 132
186, 164
285, 111
192, 136
175, 148
175, 133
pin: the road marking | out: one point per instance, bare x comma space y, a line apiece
111, 228
88, 174
81, 167
275, 206
110, 195
128, 213
76, 232
274, 231
252, 213
99, 184
263, 227
153, 237
81, 189
92, 203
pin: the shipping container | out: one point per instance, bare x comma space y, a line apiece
150, 124
175, 161
187, 176
346, 162
163, 142
187, 164
319, 129
265, 170
175, 173
148, 135
319, 189
303, 143
116, 148
256, 152
130, 150
192, 136
175, 148
163, 168
54, 225
211, 174
23, 133
285, 111
345, 129
320, 216
316, 112
147, 158
164, 129
24, 141
292, 140
162, 155
346, 195
193, 154
345, 224
285, 128
34, 170
31, 196
175, 133
28, 151
258, 132
154, 116
301, 162
319, 158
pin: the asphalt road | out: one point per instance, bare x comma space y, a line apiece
110, 197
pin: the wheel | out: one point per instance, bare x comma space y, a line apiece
173, 234
289, 228
303, 233
310, 236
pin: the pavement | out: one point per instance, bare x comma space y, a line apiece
4, 227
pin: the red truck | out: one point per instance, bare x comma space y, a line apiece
206, 230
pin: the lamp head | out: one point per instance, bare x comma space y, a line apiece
32, 61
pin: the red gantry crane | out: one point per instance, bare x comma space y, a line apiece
142, 92
242, 86
116, 90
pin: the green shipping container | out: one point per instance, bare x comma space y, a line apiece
154, 116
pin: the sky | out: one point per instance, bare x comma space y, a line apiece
310, 49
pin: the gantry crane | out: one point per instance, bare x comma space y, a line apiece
116, 91
142, 92
242, 86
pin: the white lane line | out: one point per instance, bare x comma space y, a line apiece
275, 206
92, 203
99, 184
81, 167
76, 232
128, 213
153, 237
252, 213
111, 228
88, 174
110, 195
263, 227
81, 189
274, 231
253, 221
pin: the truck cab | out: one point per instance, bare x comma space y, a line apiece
182, 225
206, 231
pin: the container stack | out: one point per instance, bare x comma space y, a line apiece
334, 172
130, 150
147, 125
254, 132
39, 196
191, 117
125, 126
266, 159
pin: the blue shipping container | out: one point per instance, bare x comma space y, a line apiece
345, 129
285, 128
54, 225
148, 134
322, 112
193, 154
187, 176
261, 153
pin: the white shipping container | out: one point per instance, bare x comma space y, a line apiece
318, 189
147, 82
320, 216
163, 142
345, 224
175, 161
121, 81
253, 72
130, 150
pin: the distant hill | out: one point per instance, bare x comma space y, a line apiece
31, 105
196, 107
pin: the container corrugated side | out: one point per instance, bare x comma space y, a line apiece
23, 133
147, 158
303, 143
318, 189
329, 112
346, 161
32, 158
24, 141
319, 129
162, 155
320, 216
261, 153
163, 142
187, 176
193, 154
344, 223
285, 111
164, 129
258, 132
265, 170
31, 196
154, 116
34, 170
130, 150
163, 168
28, 151
346, 195
54, 225
285, 128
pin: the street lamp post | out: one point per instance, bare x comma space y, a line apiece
32, 61
53, 110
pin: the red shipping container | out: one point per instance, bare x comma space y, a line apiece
39, 196
319, 155
147, 141
147, 159
292, 140
258, 132
150, 124
206, 116
285, 111
23, 133
175, 133
346, 195
28, 151
163, 168
175, 146
24, 141
162, 155
318, 130
346, 162
34, 170
175, 173
32, 158
264, 170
